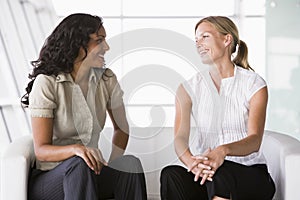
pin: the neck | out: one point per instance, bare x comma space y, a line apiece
79, 73
223, 70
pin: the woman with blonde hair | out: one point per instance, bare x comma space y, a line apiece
228, 103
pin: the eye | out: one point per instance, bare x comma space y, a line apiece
99, 41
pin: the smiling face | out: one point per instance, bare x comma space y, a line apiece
97, 47
211, 44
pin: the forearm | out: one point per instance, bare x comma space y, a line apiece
119, 144
53, 153
243, 147
183, 151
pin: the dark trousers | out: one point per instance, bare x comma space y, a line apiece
232, 181
74, 180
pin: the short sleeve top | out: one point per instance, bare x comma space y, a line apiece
76, 119
222, 117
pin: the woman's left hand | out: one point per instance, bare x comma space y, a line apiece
215, 159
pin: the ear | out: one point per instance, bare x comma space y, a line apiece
228, 40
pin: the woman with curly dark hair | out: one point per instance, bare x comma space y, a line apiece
68, 96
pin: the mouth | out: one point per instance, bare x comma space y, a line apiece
202, 52
101, 56
102, 59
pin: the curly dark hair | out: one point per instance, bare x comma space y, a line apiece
62, 47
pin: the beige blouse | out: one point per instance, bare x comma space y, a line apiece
76, 119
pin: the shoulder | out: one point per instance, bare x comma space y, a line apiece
250, 77
183, 95
42, 78
196, 78
193, 81
44, 81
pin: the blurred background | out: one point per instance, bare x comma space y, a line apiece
271, 29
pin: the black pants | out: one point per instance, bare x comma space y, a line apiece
74, 180
232, 181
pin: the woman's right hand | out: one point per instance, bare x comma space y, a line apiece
92, 157
200, 169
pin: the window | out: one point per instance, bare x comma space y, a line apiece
162, 48
151, 42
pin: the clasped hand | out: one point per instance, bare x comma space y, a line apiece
206, 164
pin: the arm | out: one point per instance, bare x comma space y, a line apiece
46, 151
183, 106
121, 131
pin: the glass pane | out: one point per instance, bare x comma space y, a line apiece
253, 7
151, 116
3, 131
113, 27
5, 75
163, 95
253, 32
15, 115
178, 7
181, 26
101, 8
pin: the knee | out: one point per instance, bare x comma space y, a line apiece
78, 165
168, 173
127, 163
132, 160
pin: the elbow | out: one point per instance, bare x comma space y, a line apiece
257, 147
39, 154
180, 146
257, 144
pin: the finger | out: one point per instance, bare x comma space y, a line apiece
99, 165
203, 179
210, 173
201, 165
200, 157
102, 160
197, 175
194, 164
87, 161
209, 179
207, 162
93, 160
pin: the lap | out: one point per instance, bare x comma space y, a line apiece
106, 181
238, 181
230, 180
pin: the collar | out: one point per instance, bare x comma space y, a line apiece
64, 77
95, 74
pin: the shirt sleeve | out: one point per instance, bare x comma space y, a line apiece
187, 85
42, 97
255, 84
114, 89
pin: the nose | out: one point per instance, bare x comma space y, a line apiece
198, 43
105, 46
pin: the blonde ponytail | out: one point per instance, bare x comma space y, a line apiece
241, 58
